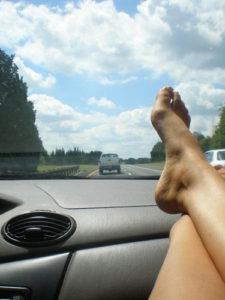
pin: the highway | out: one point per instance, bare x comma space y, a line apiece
127, 171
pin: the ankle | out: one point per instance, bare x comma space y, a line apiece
203, 189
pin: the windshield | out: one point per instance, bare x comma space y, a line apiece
78, 80
209, 156
109, 155
221, 155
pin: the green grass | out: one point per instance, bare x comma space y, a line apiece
82, 168
87, 168
154, 165
46, 168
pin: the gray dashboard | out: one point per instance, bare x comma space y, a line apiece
116, 251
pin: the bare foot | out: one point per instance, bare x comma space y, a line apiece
221, 171
184, 158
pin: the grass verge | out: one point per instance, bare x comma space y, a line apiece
87, 168
158, 165
47, 168
82, 168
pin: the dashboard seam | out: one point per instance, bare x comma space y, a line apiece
63, 275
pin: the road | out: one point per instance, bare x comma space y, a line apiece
127, 171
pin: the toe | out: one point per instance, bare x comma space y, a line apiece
164, 96
178, 104
162, 105
180, 109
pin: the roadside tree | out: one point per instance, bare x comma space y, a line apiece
218, 139
20, 144
158, 152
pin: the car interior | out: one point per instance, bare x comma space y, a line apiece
78, 80
81, 239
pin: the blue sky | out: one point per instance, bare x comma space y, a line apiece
93, 68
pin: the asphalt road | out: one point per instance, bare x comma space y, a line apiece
127, 171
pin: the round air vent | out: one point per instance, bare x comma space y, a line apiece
37, 229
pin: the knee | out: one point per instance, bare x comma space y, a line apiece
182, 225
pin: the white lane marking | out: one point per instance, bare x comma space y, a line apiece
146, 168
129, 174
155, 170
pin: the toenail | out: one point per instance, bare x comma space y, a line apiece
163, 88
177, 95
169, 88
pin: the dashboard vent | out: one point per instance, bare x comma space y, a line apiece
37, 229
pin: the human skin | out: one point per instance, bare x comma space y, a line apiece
221, 171
188, 272
188, 183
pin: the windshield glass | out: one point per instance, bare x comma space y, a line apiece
109, 155
209, 156
221, 155
78, 79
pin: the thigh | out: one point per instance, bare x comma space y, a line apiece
187, 272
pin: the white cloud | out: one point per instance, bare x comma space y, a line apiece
129, 133
103, 102
49, 106
184, 39
14, 28
204, 124
129, 79
203, 101
107, 81
184, 5
201, 97
32, 78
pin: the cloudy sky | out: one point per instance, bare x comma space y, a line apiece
93, 68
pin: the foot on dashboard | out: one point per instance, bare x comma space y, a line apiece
184, 157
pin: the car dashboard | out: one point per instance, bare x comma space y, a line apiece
114, 250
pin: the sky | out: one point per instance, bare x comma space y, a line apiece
93, 68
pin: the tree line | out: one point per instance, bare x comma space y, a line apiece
70, 157
77, 156
133, 161
216, 141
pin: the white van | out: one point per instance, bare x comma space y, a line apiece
216, 157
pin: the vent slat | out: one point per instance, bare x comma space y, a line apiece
44, 228
30, 223
38, 228
39, 219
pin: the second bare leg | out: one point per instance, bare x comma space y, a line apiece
188, 272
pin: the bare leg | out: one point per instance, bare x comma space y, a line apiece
188, 183
221, 172
188, 272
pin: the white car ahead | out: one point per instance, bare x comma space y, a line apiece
216, 157
109, 161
